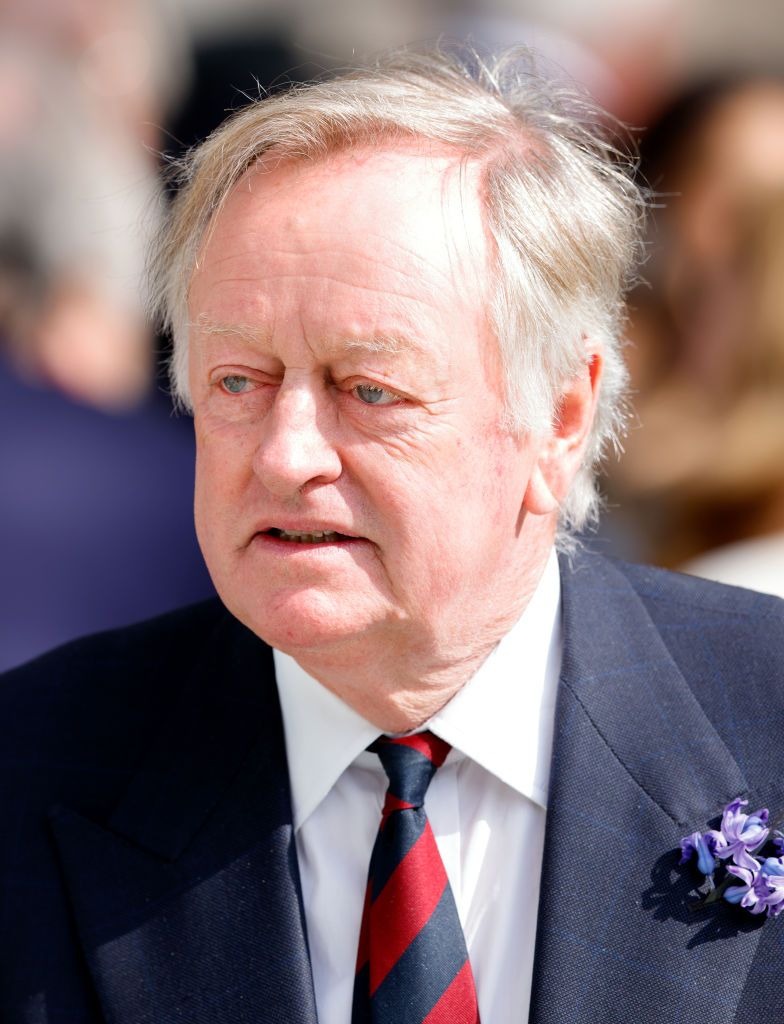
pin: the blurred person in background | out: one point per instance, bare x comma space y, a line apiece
75, 192
704, 464
83, 87
740, 498
95, 481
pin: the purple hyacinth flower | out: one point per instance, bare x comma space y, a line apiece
778, 842
773, 872
741, 834
703, 845
743, 894
762, 889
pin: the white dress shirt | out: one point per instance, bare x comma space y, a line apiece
486, 806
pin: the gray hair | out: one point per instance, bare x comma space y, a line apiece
559, 201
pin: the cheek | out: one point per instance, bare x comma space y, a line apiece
481, 482
504, 479
204, 499
223, 450
223, 467
434, 515
480, 502
450, 488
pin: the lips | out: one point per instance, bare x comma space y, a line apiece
308, 537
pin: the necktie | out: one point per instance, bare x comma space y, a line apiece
412, 963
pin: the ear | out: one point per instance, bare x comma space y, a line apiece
561, 453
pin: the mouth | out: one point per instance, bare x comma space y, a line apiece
304, 537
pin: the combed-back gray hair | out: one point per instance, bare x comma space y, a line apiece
559, 203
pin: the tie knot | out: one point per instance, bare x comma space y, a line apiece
410, 763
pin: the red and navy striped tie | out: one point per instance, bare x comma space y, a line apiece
412, 964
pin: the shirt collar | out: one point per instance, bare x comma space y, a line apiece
502, 718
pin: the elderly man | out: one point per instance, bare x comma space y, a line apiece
395, 299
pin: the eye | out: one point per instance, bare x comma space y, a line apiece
234, 384
372, 394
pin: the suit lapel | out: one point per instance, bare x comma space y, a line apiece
188, 903
636, 765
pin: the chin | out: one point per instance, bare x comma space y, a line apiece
306, 619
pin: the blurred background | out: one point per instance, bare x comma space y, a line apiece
96, 95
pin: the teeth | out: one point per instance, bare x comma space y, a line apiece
317, 537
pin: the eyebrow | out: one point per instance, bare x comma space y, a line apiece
390, 344
245, 332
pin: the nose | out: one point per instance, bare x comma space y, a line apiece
295, 448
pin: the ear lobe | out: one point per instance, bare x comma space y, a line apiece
561, 455
539, 499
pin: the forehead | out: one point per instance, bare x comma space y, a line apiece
396, 211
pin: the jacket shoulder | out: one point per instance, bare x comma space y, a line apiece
728, 644
711, 622
698, 620
137, 651
89, 709
661, 587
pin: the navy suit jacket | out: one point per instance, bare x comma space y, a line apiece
149, 872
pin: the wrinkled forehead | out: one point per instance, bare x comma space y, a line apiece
423, 201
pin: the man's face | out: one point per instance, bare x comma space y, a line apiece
353, 479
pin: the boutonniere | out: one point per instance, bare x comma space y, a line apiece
739, 861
